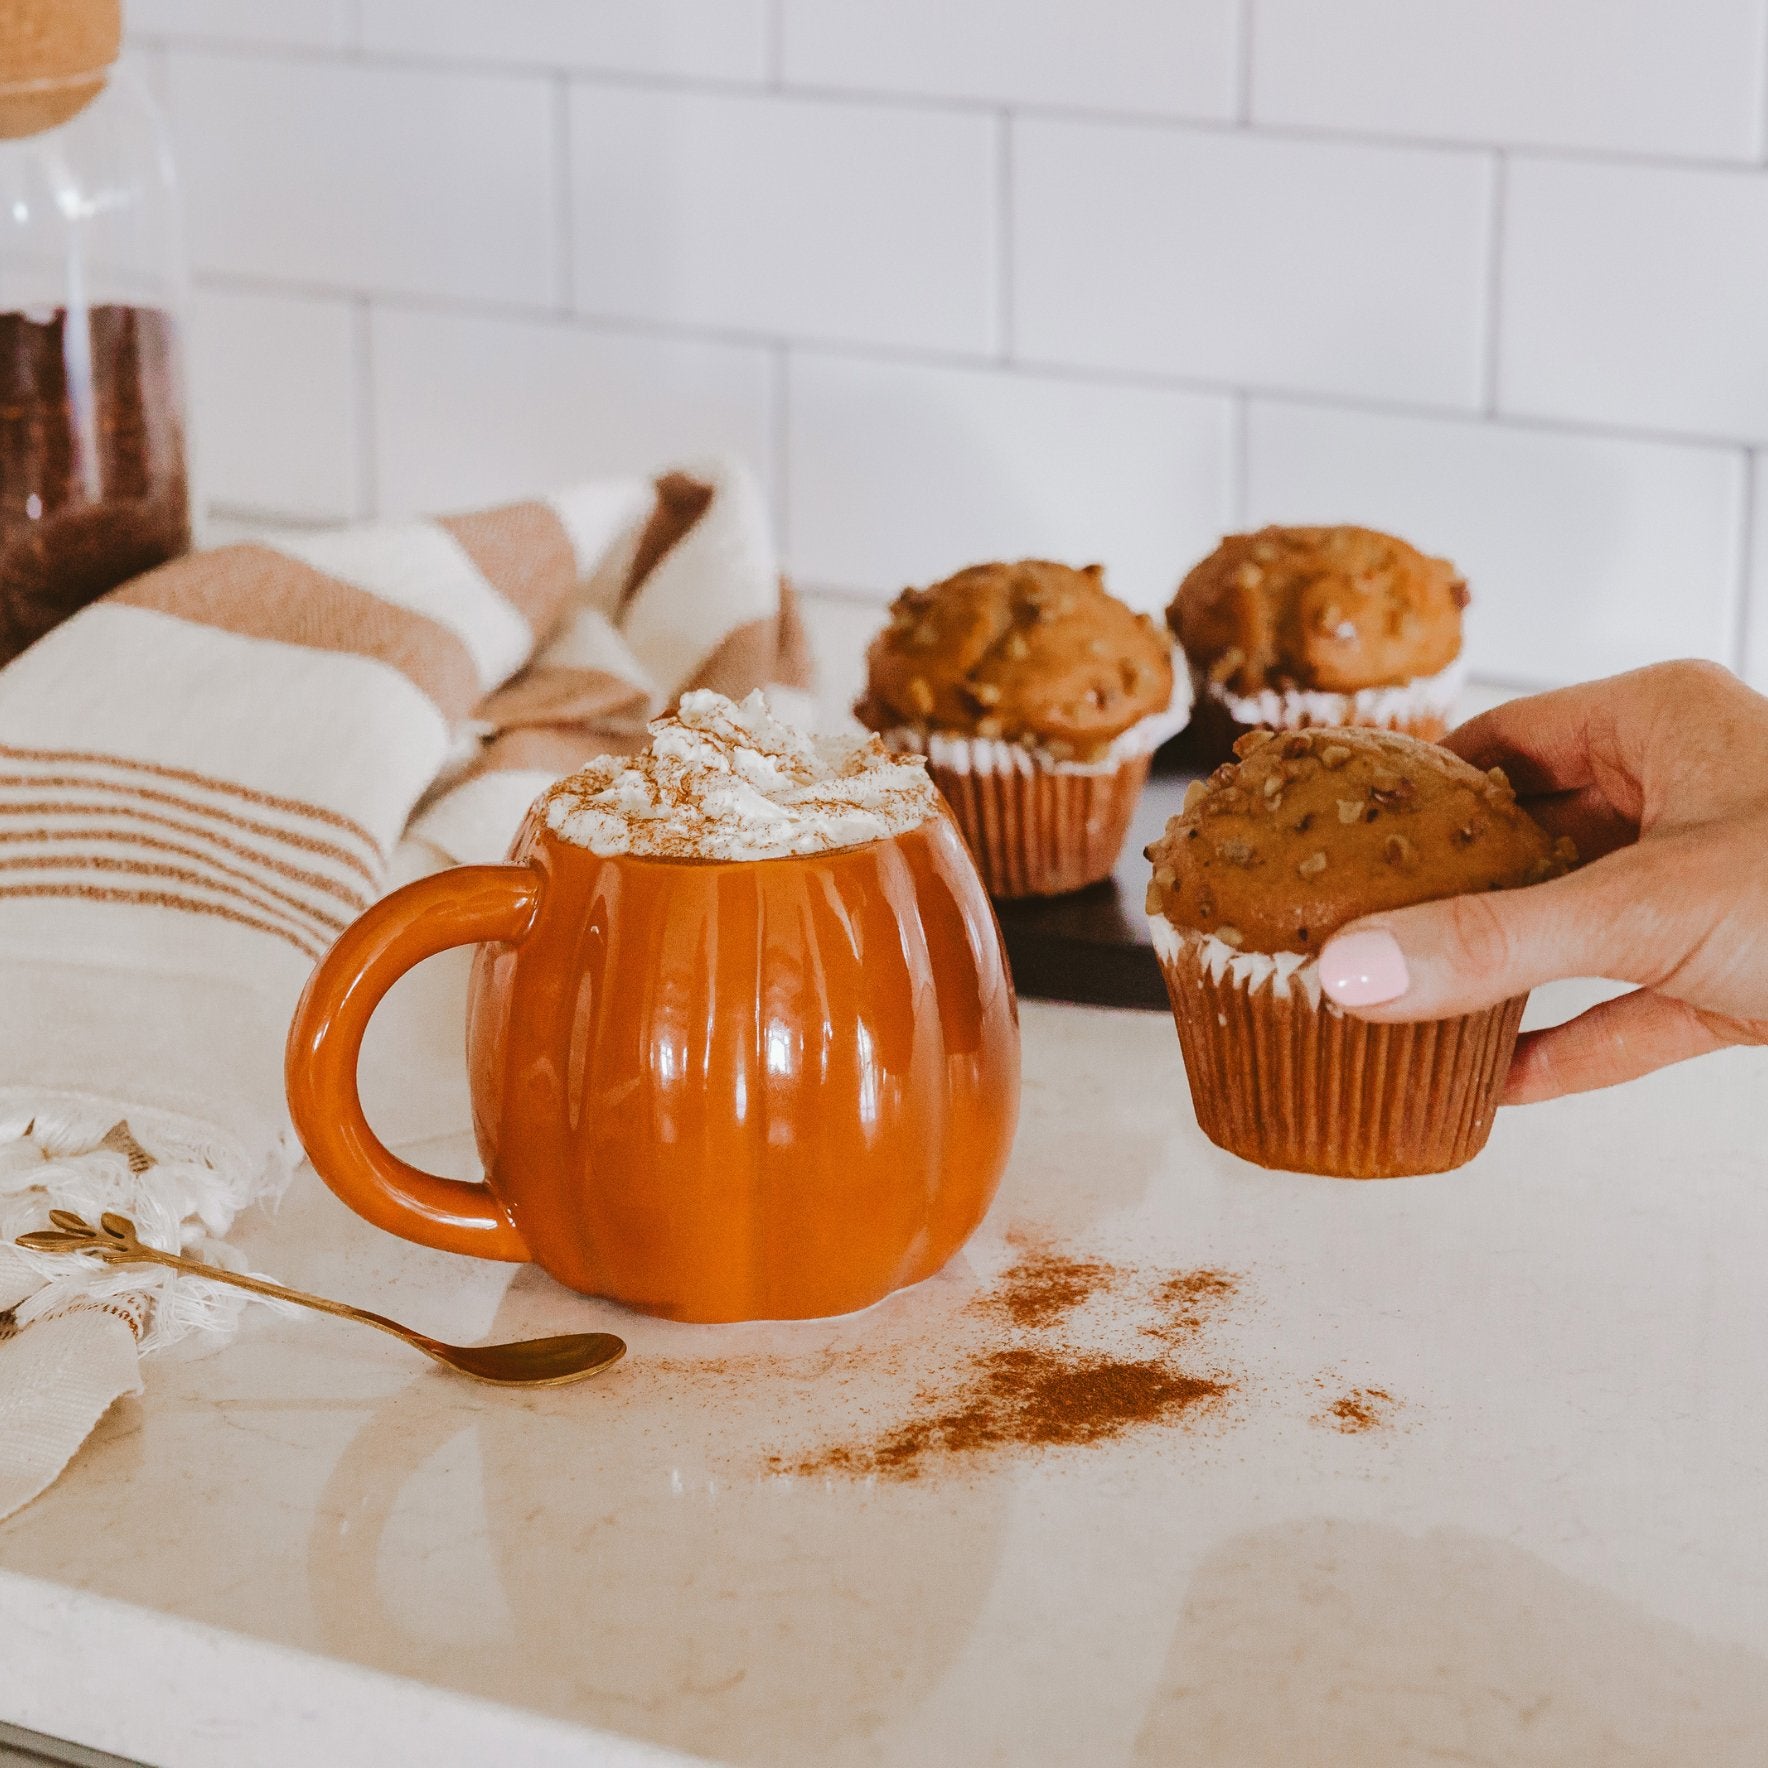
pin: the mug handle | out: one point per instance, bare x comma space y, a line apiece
461, 906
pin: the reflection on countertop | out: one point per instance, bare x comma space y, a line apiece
1548, 1547
1353, 1645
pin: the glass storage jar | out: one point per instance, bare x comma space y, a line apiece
94, 486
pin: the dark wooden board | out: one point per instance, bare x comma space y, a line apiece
1094, 946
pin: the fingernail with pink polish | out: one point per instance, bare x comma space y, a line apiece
1364, 969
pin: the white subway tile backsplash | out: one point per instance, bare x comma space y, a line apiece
1677, 77
470, 409
972, 278
839, 630
1585, 554
704, 39
901, 474
274, 386
303, 24
1120, 55
1228, 257
845, 221
370, 178
147, 62
1633, 295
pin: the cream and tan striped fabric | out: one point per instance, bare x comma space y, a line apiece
643, 632
204, 777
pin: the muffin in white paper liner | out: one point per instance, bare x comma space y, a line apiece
1036, 824
1282, 1076
1423, 707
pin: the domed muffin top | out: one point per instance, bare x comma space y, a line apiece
1033, 652
1335, 609
1305, 832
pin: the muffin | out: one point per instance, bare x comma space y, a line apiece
1269, 858
1038, 699
1290, 628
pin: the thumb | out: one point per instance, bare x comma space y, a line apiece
1619, 918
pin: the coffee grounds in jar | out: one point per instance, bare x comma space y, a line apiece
93, 483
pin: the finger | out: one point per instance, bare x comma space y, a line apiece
1618, 735
1543, 742
1586, 815
1615, 1041
1628, 917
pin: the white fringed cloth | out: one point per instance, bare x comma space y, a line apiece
205, 776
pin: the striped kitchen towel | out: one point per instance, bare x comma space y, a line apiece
205, 776
636, 639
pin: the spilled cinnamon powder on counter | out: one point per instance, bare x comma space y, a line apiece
1022, 1398
1043, 1287
1361, 1409
1188, 1302
1025, 1388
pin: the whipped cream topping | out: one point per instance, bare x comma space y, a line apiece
722, 780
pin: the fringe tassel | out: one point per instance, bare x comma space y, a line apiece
181, 1182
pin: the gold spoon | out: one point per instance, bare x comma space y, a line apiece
531, 1362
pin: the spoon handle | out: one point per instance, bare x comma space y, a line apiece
152, 1255
116, 1242
533, 1362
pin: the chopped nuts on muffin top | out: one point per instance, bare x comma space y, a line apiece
1332, 609
1034, 653
1305, 832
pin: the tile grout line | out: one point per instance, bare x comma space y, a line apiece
1244, 25
1004, 311
1239, 459
564, 211
606, 324
1762, 89
781, 438
776, 44
367, 468
839, 594
1745, 616
267, 515
850, 595
1495, 279
1302, 133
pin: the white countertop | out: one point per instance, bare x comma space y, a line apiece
314, 1548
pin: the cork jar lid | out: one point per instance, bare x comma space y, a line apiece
1278, 850
1033, 651
55, 57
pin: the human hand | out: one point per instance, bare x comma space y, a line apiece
1661, 778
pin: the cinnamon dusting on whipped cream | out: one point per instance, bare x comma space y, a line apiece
727, 780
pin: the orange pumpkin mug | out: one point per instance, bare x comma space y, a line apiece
711, 1089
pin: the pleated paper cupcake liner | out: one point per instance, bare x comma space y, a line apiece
1036, 825
1424, 708
1042, 831
1281, 1076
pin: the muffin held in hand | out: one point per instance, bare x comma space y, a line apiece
1290, 628
1038, 699
1275, 852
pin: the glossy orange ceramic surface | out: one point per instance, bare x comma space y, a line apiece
716, 1091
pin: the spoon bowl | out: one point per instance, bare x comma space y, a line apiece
531, 1362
